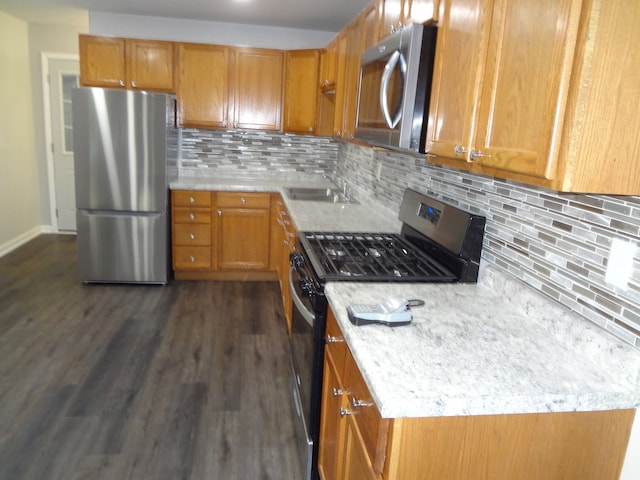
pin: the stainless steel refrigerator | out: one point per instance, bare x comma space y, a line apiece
125, 151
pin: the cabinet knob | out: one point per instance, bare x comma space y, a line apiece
243, 201
122, 84
219, 212
192, 258
192, 200
475, 154
134, 84
344, 411
332, 339
192, 216
459, 150
336, 392
192, 236
360, 403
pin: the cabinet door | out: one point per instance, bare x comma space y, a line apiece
389, 17
328, 65
102, 61
356, 464
420, 11
352, 75
243, 238
331, 424
522, 102
203, 88
258, 88
459, 65
150, 65
301, 91
369, 26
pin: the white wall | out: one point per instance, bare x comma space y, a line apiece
19, 199
161, 28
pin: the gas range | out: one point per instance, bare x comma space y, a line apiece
437, 243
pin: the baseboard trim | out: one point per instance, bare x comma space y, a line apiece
20, 240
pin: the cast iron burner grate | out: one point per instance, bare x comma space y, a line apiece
373, 256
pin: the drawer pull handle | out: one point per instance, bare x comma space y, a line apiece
332, 339
336, 392
360, 403
192, 236
192, 200
192, 258
192, 216
344, 411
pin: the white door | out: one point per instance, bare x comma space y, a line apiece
64, 75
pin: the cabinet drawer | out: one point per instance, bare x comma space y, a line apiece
188, 258
335, 344
184, 234
372, 426
191, 198
244, 199
191, 215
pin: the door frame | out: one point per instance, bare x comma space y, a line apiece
45, 57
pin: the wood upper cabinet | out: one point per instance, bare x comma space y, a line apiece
243, 230
258, 74
395, 14
349, 50
528, 90
204, 86
126, 63
102, 61
301, 91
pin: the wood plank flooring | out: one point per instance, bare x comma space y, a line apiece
187, 381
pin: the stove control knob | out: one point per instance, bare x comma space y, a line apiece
296, 260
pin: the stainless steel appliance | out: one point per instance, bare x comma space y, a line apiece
125, 146
437, 243
395, 87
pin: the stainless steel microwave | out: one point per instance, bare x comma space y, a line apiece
394, 89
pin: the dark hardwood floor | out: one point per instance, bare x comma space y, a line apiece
186, 381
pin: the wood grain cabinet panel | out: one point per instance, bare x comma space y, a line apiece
355, 443
126, 63
523, 90
204, 86
301, 91
258, 88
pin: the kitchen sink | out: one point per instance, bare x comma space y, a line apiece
328, 195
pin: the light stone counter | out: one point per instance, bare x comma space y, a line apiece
492, 348
306, 215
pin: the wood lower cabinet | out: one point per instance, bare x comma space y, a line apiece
243, 230
127, 63
191, 230
221, 235
356, 444
283, 235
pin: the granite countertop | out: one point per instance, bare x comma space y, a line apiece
307, 215
495, 347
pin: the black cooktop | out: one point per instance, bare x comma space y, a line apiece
372, 257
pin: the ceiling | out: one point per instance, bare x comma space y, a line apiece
321, 15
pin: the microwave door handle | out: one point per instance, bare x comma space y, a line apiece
384, 87
308, 315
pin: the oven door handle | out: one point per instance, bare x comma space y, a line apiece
307, 314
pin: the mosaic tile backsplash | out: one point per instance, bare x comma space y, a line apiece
255, 154
557, 243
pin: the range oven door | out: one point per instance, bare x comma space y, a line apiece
307, 354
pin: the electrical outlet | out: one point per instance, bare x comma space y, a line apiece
620, 265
